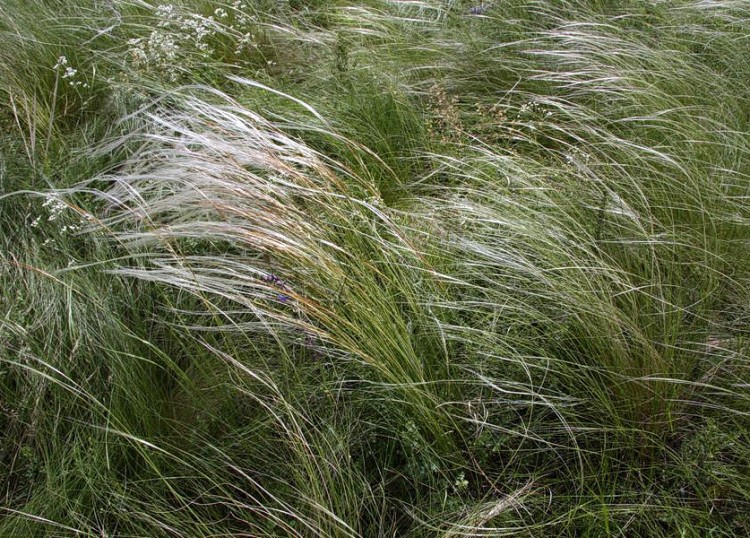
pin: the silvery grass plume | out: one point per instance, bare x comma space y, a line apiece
218, 202
225, 178
527, 318
549, 280
273, 237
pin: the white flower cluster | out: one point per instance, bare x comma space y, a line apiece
240, 24
243, 25
177, 33
239, 6
174, 32
69, 73
578, 158
55, 208
532, 109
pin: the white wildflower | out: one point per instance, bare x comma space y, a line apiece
166, 13
55, 206
247, 40
461, 483
162, 47
69, 228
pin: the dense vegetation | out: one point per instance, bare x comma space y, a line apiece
321, 268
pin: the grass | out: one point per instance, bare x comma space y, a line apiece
329, 269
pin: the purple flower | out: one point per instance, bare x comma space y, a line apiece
273, 279
279, 284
